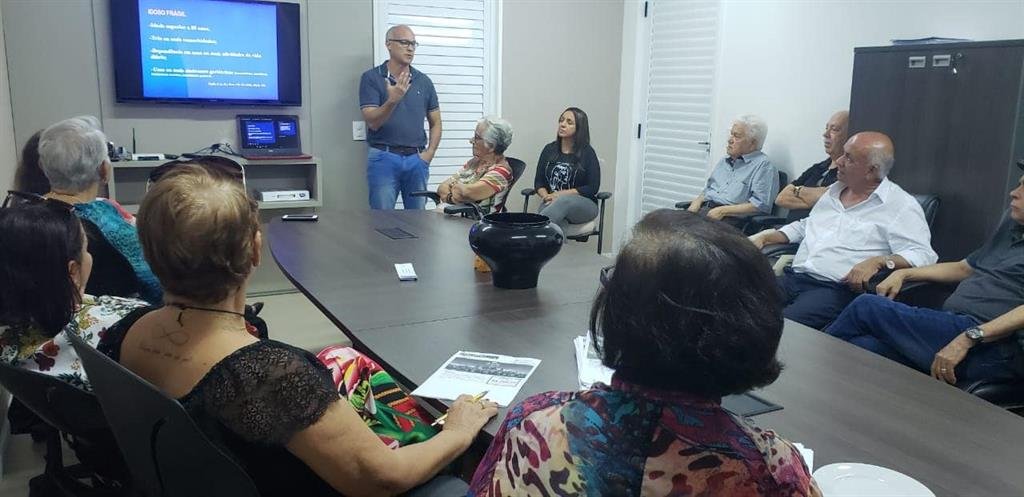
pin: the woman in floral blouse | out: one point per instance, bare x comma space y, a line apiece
486, 178
689, 314
44, 267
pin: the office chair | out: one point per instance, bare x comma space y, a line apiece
751, 223
470, 210
580, 232
166, 453
74, 415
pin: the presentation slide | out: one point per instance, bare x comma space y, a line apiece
209, 50
260, 133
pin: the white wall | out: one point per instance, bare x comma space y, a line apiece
548, 64
8, 149
792, 61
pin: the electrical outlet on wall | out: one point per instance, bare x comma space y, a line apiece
359, 130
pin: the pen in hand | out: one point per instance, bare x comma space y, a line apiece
476, 398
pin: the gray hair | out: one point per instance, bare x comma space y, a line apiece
756, 128
882, 158
71, 153
498, 134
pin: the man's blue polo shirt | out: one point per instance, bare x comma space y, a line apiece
405, 126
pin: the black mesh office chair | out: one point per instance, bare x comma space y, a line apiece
166, 453
470, 210
74, 415
751, 223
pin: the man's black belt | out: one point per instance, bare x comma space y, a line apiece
396, 149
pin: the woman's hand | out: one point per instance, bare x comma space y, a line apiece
468, 417
550, 197
458, 193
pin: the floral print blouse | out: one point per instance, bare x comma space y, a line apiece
29, 348
627, 440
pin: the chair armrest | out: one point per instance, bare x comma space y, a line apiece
778, 249
431, 195
528, 191
463, 209
603, 195
768, 221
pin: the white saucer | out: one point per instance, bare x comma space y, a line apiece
865, 480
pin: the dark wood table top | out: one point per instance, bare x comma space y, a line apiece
845, 403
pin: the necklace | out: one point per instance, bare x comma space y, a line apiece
74, 198
183, 307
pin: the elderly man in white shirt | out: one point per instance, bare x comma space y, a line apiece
863, 223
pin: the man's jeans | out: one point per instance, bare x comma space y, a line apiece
389, 174
913, 335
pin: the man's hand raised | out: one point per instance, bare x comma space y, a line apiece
397, 91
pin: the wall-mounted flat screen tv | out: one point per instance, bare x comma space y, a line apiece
207, 52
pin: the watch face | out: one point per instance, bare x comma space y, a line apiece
891, 264
974, 334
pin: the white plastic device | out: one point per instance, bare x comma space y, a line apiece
405, 272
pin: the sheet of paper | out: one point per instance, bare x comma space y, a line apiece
470, 373
589, 369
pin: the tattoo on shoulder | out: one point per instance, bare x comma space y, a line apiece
163, 353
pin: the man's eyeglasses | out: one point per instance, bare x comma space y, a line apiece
216, 164
405, 43
16, 198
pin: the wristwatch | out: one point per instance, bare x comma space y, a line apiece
975, 333
890, 263
796, 191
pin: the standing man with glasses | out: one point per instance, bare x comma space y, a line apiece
395, 98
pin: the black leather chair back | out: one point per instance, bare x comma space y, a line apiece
518, 167
930, 205
111, 272
166, 453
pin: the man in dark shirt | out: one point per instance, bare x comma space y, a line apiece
973, 336
800, 195
395, 98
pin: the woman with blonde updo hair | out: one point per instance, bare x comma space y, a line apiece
272, 406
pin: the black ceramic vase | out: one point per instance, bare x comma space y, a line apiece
515, 245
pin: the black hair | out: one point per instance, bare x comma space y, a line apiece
691, 306
30, 177
37, 241
581, 141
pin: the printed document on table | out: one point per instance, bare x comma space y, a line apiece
589, 369
470, 373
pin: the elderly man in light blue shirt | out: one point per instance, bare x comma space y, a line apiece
743, 183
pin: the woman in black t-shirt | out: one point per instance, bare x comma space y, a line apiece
568, 172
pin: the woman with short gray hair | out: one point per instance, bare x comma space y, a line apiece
486, 178
73, 156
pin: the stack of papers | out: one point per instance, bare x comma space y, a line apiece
470, 373
589, 369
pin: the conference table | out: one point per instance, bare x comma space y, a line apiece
846, 404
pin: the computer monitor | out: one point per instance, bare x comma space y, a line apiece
269, 135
